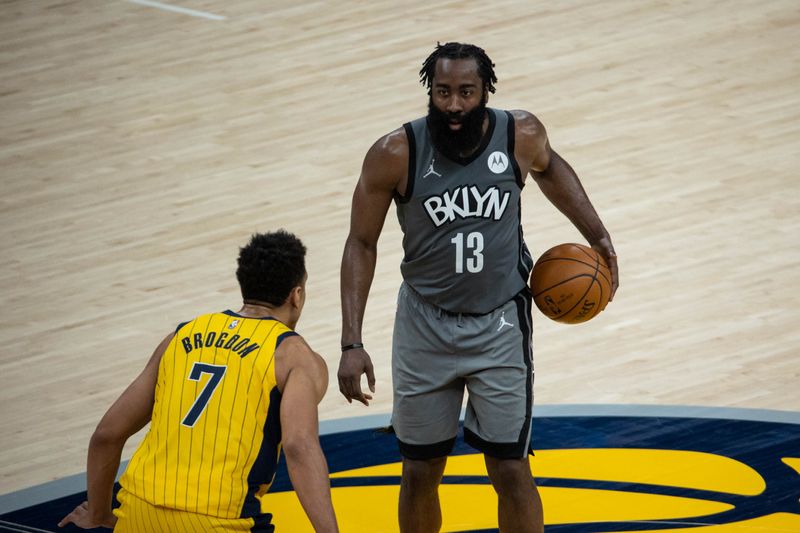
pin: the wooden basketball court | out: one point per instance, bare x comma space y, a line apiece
140, 146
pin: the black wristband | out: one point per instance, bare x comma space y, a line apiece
352, 346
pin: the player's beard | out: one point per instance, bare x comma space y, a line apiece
459, 143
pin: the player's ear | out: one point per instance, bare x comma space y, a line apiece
293, 297
485, 93
297, 297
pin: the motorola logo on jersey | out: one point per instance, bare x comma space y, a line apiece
498, 162
467, 201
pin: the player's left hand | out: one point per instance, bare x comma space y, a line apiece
82, 517
606, 249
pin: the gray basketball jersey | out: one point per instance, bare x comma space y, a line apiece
462, 237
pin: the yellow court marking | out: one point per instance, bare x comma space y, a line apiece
794, 462
773, 523
467, 507
673, 468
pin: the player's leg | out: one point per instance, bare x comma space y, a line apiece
519, 507
499, 363
419, 510
427, 403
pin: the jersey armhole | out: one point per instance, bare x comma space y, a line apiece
283, 336
511, 136
412, 166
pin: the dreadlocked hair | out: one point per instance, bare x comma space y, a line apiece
458, 51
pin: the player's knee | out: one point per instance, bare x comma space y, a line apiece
422, 474
510, 476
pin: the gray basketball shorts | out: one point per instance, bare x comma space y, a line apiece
436, 355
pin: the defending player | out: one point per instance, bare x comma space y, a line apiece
223, 394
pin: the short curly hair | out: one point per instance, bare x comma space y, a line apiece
270, 266
458, 51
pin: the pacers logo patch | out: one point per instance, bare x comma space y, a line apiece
601, 474
498, 162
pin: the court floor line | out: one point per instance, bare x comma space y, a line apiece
21, 528
177, 9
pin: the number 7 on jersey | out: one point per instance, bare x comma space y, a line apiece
200, 403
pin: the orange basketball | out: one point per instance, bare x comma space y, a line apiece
571, 283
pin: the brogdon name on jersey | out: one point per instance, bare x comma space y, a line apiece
214, 438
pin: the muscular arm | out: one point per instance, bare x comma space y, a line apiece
385, 167
130, 413
303, 379
560, 184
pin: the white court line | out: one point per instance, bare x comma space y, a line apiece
11, 526
176, 9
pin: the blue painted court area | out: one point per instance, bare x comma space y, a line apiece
599, 468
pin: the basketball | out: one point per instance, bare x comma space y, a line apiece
571, 283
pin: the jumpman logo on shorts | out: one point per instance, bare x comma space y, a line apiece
503, 322
431, 171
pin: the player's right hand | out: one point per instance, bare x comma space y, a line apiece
352, 364
82, 517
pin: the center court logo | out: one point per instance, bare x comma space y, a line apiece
681, 474
497, 162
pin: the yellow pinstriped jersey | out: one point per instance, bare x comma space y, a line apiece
214, 438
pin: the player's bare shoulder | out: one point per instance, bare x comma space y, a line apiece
529, 129
386, 162
294, 349
531, 145
392, 145
295, 353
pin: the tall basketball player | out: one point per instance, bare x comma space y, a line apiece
222, 394
464, 309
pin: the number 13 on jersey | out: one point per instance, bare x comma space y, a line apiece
473, 246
